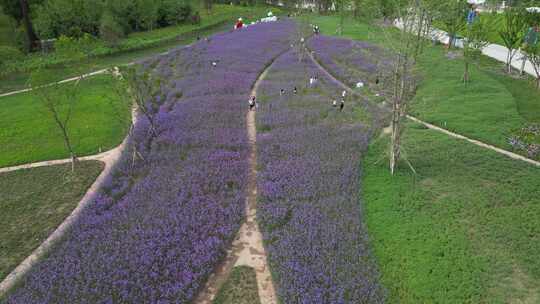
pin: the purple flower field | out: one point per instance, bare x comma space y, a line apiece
163, 224
309, 184
348, 60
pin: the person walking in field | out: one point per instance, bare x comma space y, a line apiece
344, 94
295, 90
531, 39
252, 103
334, 103
342, 104
239, 24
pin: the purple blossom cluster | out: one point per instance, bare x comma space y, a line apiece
527, 141
309, 204
349, 60
177, 198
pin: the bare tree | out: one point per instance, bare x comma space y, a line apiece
413, 16
473, 44
60, 101
144, 88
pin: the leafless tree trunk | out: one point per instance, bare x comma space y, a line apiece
60, 101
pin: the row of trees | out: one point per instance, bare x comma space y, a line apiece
45, 19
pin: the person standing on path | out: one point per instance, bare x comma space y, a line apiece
472, 15
342, 105
252, 103
531, 39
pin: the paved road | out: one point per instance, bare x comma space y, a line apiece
495, 51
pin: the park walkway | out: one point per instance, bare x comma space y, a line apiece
492, 50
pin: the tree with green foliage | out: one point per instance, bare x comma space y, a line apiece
533, 54
476, 40
452, 15
513, 32
20, 11
208, 5
109, 30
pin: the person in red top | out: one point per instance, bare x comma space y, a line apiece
239, 24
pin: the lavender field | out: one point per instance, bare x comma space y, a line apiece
175, 202
164, 222
309, 158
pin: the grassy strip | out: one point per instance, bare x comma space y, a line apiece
240, 287
28, 133
34, 202
136, 46
464, 230
489, 109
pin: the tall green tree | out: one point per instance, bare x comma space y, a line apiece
452, 15
20, 11
512, 32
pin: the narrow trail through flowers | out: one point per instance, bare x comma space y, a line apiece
247, 248
430, 126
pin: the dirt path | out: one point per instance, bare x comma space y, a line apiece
99, 157
247, 248
433, 127
109, 158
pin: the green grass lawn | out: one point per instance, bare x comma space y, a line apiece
29, 134
138, 45
240, 287
465, 229
34, 202
490, 108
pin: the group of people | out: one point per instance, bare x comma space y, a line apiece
240, 22
312, 82
342, 102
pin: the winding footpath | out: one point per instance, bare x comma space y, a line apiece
430, 126
247, 248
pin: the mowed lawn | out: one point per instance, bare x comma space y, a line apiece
489, 109
28, 132
465, 229
33, 202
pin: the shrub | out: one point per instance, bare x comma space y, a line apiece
75, 48
21, 39
8, 53
110, 30
68, 17
173, 12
